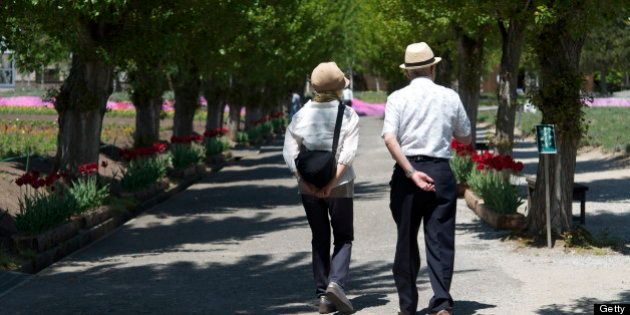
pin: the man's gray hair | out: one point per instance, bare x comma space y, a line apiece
422, 72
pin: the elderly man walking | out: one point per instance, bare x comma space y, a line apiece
420, 121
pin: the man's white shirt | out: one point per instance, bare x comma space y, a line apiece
424, 117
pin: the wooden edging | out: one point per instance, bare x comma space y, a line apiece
57, 243
496, 220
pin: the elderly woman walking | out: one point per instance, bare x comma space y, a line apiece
319, 146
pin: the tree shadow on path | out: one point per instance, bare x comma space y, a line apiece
256, 284
464, 308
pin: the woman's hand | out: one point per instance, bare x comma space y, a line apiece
309, 189
325, 192
423, 181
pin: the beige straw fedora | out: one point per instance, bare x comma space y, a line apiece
328, 77
419, 55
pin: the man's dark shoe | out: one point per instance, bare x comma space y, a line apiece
326, 306
335, 294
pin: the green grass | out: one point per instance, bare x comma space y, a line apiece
490, 99
529, 122
27, 111
487, 116
371, 96
608, 128
20, 137
24, 92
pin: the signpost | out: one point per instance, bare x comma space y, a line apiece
546, 140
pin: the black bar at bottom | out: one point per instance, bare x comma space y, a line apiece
611, 308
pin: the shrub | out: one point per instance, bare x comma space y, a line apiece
495, 189
242, 137
185, 155
216, 145
461, 166
254, 134
40, 211
266, 128
279, 123
87, 193
142, 172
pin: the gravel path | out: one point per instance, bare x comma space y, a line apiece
238, 243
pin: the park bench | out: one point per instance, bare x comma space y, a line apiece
579, 194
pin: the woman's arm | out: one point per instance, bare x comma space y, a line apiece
291, 147
347, 153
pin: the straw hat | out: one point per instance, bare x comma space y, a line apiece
328, 77
419, 55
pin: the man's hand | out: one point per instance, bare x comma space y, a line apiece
423, 181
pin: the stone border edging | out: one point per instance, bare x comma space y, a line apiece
497, 220
57, 243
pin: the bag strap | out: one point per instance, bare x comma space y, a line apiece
340, 111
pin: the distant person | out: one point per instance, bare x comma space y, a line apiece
328, 203
295, 105
347, 96
420, 121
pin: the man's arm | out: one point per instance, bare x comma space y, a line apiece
462, 129
421, 179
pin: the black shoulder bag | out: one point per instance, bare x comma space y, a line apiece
318, 167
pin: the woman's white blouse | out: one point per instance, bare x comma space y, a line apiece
313, 126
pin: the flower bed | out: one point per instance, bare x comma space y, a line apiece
508, 221
216, 146
490, 193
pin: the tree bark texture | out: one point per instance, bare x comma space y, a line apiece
603, 82
558, 48
444, 70
215, 97
234, 120
81, 106
146, 94
186, 86
512, 40
470, 60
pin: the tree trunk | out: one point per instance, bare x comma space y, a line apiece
215, 97
81, 106
444, 69
147, 120
233, 122
146, 94
470, 60
603, 82
253, 113
511, 47
215, 114
558, 48
186, 87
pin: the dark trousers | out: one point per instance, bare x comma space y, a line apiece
326, 269
410, 205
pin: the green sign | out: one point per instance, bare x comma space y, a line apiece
546, 139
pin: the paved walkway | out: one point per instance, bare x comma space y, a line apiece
238, 243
